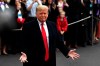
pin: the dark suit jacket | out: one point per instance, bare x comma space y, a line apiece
34, 47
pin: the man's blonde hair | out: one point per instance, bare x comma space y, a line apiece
41, 7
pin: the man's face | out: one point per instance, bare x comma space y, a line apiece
42, 15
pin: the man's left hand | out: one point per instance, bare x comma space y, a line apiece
73, 54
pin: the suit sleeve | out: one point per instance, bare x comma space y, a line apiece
60, 44
24, 39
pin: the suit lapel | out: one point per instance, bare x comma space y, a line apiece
37, 29
50, 35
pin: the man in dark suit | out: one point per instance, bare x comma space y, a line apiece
40, 49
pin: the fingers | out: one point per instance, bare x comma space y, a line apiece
23, 60
26, 61
73, 50
72, 58
22, 53
75, 56
20, 58
23, 57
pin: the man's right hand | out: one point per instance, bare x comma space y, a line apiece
23, 57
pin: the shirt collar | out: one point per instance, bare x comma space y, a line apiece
44, 23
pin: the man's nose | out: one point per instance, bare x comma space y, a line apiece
43, 14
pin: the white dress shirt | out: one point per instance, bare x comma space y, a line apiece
46, 30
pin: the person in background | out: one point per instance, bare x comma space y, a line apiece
4, 42
7, 23
52, 11
44, 2
73, 15
97, 35
31, 8
23, 8
61, 4
87, 24
21, 13
62, 24
40, 39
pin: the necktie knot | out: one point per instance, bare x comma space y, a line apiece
42, 23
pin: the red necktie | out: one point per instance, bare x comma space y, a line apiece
45, 42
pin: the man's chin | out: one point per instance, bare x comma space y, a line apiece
43, 20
